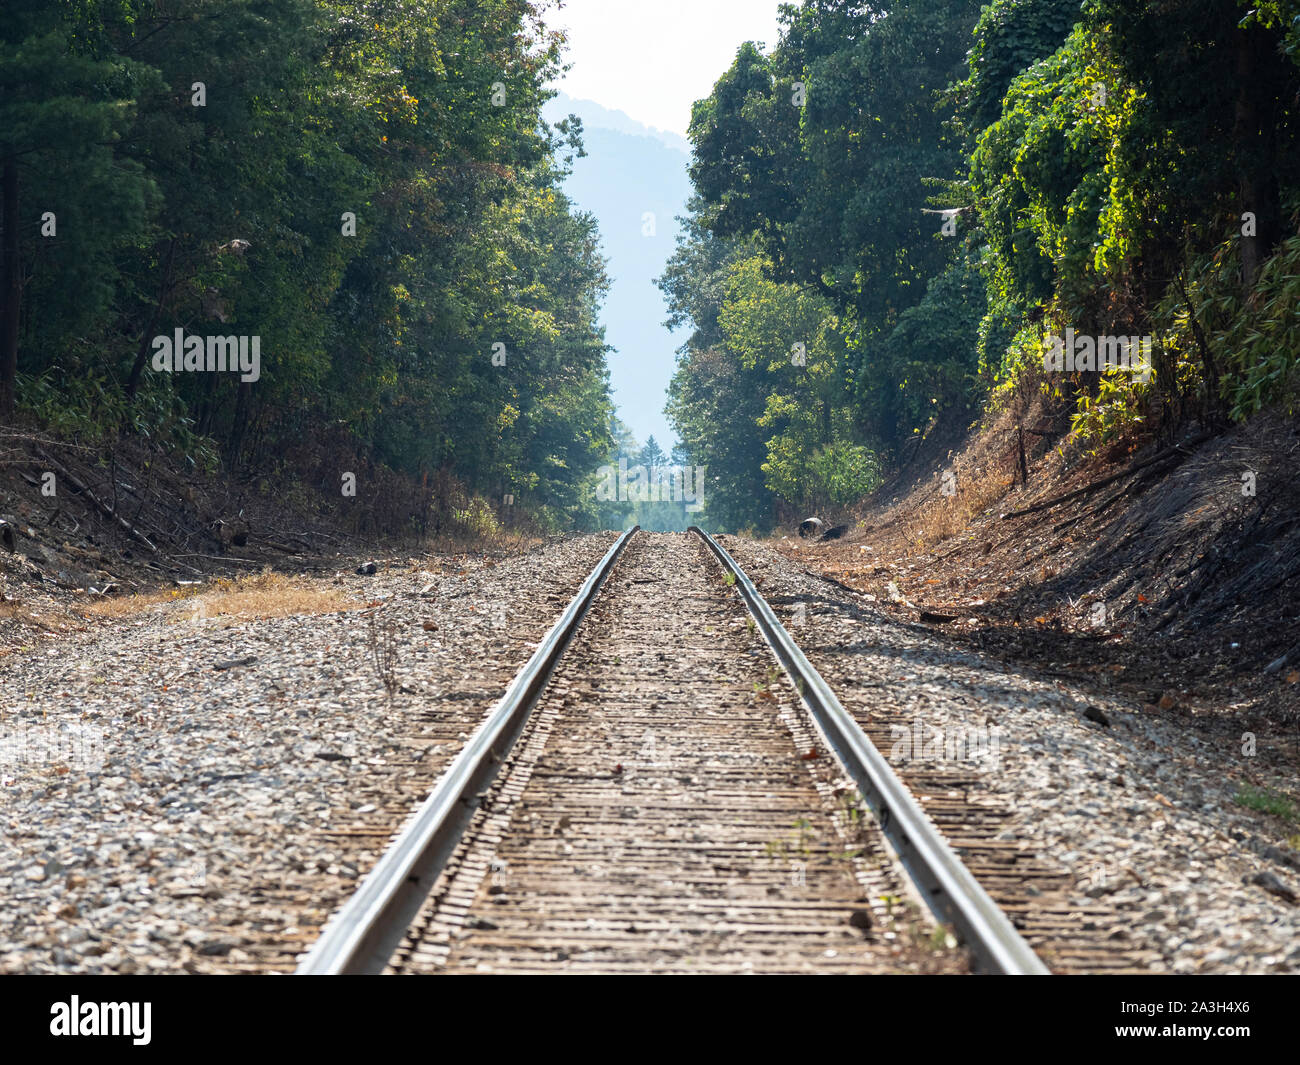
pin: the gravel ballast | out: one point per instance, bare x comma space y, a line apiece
190, 793
1139, 809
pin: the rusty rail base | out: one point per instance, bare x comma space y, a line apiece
363, 934
947, 886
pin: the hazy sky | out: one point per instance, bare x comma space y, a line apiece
650, 59
654, 58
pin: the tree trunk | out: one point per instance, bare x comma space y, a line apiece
1255, 153
146, 341
13, 291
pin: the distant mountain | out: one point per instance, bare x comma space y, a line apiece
596, 117
633, 179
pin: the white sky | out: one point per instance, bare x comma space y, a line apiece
654, 58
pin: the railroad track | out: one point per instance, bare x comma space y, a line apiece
653, 794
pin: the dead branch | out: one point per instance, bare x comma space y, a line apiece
102, 507
1167, 453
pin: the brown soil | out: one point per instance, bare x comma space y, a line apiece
126, 531
1166, 584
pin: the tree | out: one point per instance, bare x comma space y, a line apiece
652, 455
366, 188
62, 113
834, 190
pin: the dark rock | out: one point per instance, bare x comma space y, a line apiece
1282, 856
811, 527
368, 569
1270, 883
232, 663
1093, 713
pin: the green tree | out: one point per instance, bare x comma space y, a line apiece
68, 202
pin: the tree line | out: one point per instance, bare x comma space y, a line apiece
366, 186
901, 206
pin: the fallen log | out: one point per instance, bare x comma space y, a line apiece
1168, 452
102, 507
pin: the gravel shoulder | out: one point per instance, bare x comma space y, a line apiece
198, 793
1139, 812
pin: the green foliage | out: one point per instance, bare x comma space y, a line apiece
1267, 801
1022, 362
714, 400
833, 475
1010, 37
228, 219
1092, 156
1110, 168
1261, 342
1092, 153
1252, 336
773, 384
1040, 178
931, 357
475, 519
1117, 407
835, 192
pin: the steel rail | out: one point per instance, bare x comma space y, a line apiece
945, 883
364, 933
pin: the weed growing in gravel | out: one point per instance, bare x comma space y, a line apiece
763, 688
942, 939
851, 809
383, 652
1266, 801
782, 849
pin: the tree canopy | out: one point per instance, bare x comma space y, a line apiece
925, 193
366, 186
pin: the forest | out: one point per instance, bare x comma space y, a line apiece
363, 190
901, 208
898, 209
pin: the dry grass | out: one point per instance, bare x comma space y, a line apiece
261, 595
11, 610
984, 478
503, 543
975, 489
